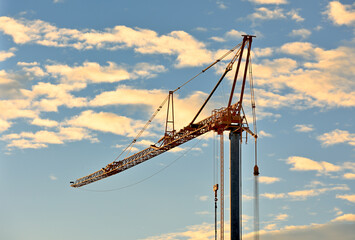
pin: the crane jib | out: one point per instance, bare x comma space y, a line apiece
225, 117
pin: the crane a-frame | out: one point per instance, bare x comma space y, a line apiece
230, 118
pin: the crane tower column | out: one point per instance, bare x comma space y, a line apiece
235, 185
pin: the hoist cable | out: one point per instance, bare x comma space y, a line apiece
256, 168
211, 65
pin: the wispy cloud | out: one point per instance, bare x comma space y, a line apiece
303, 33
52, 177
269, 1
303, 128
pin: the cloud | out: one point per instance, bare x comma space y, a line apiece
221, 4
4, 125
341, 14
350, 198
52, 177
203, 198
337, 136
340, 226
42, 138
303, 127
16, 108
185, 108
303, 194
27, 63
106, 122
7, 54
295, 16
44, 122
281, 217
349, 175
345, 218
273, 195
267, 14
48, 97
264, 134
5, 78
89, 72
321, 78
269, 1
306, 164
188, 50
303, 33
268, 180
306, 193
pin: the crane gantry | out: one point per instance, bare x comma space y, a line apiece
229, 118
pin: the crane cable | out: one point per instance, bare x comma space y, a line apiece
128, 149
256, 168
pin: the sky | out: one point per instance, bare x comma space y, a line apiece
79, 79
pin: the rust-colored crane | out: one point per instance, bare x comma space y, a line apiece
230, 118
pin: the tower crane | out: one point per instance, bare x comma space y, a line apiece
230, 118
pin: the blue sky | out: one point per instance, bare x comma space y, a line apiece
79, 79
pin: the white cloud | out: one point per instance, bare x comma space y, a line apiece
337, 227
188, 50
273, 195
234, 34
7, 54
5, 78
322, 78
106, 122
269, 1
217, 39
303, 33
203, 213
337, 136
262, 52
349, 175
221, 4
268, 180
186, 107
341, 14
203, 198
304, 194
27, 63
52, 177
89, 72
267, 14
295, 16
264, 134
281, 217
303, 128
349, 217
306, 164
42, 138
350, 198
4, 125
44, 122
